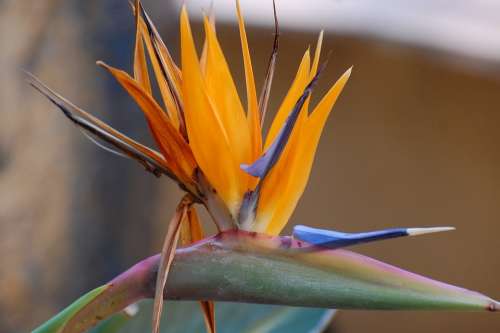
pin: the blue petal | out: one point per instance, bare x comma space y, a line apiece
334, 239
261, 167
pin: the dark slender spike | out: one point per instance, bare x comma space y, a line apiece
157, 42
92, 128
266, 88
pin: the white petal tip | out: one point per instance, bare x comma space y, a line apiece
131, 310
423, 231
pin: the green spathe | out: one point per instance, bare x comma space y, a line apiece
245, 267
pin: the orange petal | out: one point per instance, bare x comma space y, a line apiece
317, 54
140, 64
203, 57
275, 183
296, 89
191, 229
208, 308
253, 115
222, 91
300, 166
173, 147
171, 68
207, 136
165, 92
167, 257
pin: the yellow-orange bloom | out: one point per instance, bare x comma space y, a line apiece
202, 125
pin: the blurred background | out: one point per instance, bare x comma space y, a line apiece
413, 141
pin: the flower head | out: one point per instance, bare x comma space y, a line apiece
209, 143
204, 125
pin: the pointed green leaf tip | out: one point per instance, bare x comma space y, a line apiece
56, 323
115, 323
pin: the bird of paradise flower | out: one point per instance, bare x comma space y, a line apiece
213, 147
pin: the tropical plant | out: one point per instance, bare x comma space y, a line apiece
214, 149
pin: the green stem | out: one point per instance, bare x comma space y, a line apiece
255, 268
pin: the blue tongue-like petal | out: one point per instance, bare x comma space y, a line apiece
332, 239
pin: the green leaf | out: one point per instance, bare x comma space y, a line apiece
115, 323
56, 323
185, 316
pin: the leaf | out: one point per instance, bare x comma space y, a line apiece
115, 323
56, 323
183, 317
256, 268
299, 166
